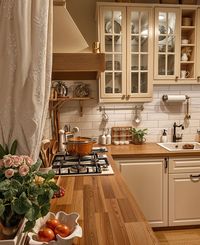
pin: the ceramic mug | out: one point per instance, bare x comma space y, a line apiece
184, 74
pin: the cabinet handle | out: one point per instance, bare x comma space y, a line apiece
166, 164
195, 178
123, 96
176, 78
128, 97
198, 79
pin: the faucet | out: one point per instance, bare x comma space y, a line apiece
175, 137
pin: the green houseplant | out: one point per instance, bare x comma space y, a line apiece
25, 193
138, 135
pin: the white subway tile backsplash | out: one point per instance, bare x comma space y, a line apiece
156, 115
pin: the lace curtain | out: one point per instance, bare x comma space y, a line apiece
25, 71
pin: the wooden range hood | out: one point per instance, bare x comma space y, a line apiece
77, 66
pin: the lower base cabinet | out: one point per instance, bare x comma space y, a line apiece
147, 180
184, 191
168, 194
184, 199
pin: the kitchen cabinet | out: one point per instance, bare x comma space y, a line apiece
198, 47
176, 54
184, 195
147, 179
167, 51
125, 34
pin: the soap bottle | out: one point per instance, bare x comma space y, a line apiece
108, 138
164, 136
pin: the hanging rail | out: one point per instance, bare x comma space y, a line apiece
137, 107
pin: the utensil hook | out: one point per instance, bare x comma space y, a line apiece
105, 116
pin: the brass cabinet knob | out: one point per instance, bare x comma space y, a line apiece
128, 97
123, 96
198, 79
176, 78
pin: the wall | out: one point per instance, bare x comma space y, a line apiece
156, 114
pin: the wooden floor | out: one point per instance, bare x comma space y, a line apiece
179, 237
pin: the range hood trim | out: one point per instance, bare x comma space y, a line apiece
77, 66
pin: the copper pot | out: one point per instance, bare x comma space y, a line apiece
79, 146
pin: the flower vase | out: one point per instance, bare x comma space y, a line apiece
10, 223
9, 232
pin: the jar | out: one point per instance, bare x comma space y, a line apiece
184, 57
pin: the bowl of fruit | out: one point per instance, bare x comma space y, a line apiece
56, 229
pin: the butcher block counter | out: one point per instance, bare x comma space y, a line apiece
147, 150
108, 212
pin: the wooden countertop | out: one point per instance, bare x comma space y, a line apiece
146, 150
109, 214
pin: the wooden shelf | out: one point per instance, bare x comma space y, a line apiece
77, 66
56, 104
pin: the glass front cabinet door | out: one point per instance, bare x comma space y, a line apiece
167, 38
125, 34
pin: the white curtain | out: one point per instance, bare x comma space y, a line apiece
25, 71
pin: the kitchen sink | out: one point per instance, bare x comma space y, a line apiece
181, 146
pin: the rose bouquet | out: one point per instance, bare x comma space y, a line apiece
24, 192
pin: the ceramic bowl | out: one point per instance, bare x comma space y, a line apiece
69, 219
185, 41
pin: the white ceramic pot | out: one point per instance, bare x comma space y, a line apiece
45, 170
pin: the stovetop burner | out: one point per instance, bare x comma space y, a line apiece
94, 164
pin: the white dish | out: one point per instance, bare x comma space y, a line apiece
69, 219
185, 41
117, 30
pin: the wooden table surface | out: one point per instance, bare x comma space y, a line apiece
108, 212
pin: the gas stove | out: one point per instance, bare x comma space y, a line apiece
94, 164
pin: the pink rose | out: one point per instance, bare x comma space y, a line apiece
8, 162
17, 161
23, 170
28, 160
9, 173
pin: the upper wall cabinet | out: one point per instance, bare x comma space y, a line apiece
125, 34
198, 47
176, 51
167, 51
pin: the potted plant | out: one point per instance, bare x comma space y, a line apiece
25, 193
138, 135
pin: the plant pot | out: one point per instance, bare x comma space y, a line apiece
45, 170
138, 141
12, 235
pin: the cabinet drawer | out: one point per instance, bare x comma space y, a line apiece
184, 165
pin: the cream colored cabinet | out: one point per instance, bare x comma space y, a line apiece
198, 47
167, 53
125, 34
176, 54
147, 179
184, 194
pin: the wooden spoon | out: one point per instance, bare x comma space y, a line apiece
44, 150
54, 150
